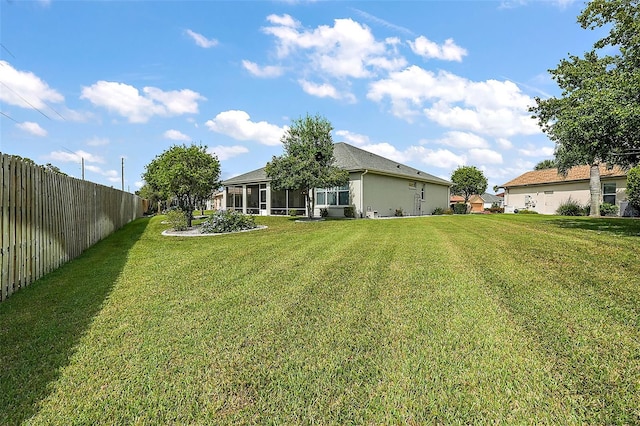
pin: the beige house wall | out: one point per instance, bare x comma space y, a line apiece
384, 194
546, 199
355, 198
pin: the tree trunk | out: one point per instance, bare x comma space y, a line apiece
310, 204
594, 189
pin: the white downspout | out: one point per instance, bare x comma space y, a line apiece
362, 212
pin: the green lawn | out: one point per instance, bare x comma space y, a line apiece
454, 320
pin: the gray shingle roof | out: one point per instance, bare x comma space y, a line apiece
259, 175
490, 198
353, 159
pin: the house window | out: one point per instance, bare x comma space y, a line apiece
234, 198
338, 196
609, 193
422, 193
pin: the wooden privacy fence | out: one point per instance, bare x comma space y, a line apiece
48, 219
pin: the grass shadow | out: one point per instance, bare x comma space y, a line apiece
628, 227
41, 324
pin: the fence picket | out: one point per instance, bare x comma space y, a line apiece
48, 219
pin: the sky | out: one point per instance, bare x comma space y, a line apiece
431, 84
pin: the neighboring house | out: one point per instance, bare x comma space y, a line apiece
216, 201
455, 199
545, 190
485, 201
377, 187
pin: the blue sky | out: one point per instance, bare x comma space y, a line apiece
432, 84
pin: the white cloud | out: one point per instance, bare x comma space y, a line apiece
283, 20
458, 139
201, 40
441, 158
543, 151
176, 135
504, 143
138, 184
226, 152
484, 156
127, 101
428, 49
325, 90
347, 49
237, 124
268, 71
353, 138
111, 175
71, 157
21, 88
32, 128
494, 108
387, 150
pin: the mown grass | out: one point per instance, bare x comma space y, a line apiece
451, 320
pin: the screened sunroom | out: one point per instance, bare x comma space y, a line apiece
261, 199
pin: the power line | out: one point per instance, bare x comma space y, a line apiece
26, 101
10, 118
7, 50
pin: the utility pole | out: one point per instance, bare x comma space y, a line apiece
82, 167
122, 173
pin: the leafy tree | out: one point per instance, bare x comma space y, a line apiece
545, 164
54, 169
155, 197
25, 160
468, 180
596, 121
633, 187
188, 173
48, 167
307, 162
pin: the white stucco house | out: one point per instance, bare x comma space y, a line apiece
377, 187
545, 190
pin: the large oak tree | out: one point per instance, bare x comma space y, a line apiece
596, 121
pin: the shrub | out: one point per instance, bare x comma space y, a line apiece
324, 212
437, 211
293, 213
448, 211
495, 209
570, 208
607, 209
460, 208
170, 208
399, 212
525, 211
349, 211
227, 221
177, 218
633, 187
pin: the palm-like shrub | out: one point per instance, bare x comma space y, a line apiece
570, 208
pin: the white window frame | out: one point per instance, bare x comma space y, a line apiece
336, 190
609, 194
